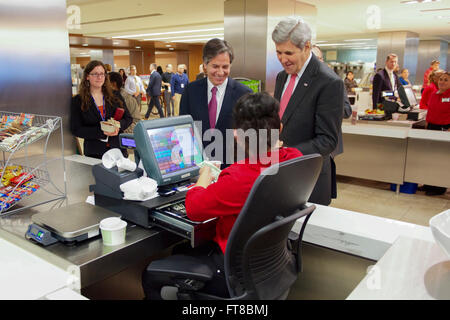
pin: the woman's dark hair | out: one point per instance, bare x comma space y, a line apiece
85, 92
257, 111
159, 70
116, 78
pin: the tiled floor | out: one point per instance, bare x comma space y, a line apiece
377, 199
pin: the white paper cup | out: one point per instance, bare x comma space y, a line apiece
113, 231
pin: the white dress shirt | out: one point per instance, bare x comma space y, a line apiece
299, 75
130, 85
392, 78
220, 94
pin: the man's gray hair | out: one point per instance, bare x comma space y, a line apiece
214, 47
294, 29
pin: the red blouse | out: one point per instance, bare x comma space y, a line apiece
225, 198
426, 94
439, 108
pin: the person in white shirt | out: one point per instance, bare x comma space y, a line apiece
134, 86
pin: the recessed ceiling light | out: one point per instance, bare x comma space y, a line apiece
418, 1
171, 49
185, 37
168, 45
85, 45
116, 42
164, 33
137, 47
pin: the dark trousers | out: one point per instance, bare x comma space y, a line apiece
209, 254
154, 101
169, 103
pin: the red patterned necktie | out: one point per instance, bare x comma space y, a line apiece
287, 94
212, 108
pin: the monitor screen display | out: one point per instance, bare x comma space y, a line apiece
175, 149
411, 96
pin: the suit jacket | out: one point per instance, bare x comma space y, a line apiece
154, 85
194, 102
381, 82
312, 119
86, 125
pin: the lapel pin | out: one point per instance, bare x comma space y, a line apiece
305, 84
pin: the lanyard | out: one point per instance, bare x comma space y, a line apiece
102, 114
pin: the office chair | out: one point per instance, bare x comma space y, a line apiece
262, 257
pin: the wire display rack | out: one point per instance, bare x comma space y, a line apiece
20, 137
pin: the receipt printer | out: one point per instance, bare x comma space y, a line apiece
108, 181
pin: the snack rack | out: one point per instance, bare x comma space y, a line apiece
19, 181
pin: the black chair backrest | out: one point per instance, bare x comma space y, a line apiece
258, 264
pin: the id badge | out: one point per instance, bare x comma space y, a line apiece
445, 99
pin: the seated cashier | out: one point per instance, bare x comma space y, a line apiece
226, 197
94, 103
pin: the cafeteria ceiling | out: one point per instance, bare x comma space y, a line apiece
337, 20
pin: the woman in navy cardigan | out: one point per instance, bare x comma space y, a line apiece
94, 103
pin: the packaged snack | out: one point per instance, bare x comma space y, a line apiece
28, 120
22, 178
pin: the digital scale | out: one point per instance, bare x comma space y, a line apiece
70, 224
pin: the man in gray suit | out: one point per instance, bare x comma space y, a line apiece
311, 100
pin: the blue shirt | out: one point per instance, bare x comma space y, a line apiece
402, 81
178, 83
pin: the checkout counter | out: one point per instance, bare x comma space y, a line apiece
395, 151
339, 247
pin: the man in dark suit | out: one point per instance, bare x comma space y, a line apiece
311, 100
210, 100
154, 91
385, 80
340, 146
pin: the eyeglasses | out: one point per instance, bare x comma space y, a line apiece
97, 75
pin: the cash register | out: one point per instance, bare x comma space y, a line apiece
169, 151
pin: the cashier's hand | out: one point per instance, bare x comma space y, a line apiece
112, 134
205, 178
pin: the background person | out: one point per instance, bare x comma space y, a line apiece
211, 99
431, 88
434, 65
178, 82
134, 86
385, 80
123, 74
154, 91
201, 75
165, 81
94, 103
225, 198
311, 99
116, 81
404, 77
350, 83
